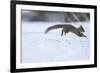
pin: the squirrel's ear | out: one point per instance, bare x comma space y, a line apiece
81, 28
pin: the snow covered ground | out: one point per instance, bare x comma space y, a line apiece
40, 47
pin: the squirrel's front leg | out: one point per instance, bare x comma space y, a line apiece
62, 32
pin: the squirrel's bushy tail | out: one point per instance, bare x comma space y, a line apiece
53, 27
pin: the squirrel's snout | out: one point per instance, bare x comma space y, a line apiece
84, 36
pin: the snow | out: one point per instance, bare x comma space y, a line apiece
52, 47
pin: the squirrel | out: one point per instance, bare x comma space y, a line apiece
68, 28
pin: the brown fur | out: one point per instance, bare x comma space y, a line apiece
68, 28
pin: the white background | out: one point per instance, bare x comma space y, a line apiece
5, 36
